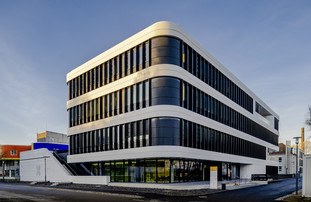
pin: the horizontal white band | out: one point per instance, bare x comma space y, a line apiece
160, 29
165, 152
165, 70
167, 111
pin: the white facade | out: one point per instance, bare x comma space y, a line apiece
286, 158
41, 166
306, 179
264, 117
287, 164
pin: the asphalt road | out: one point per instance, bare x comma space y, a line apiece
264, 193
20, 192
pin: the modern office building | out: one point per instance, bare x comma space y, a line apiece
159, 108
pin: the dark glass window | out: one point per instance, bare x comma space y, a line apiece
165, 131
276, 124
165, 50
165, 90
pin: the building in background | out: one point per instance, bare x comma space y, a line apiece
52, 137
10, 154
9, 160
159, 108
50, 146
286, 157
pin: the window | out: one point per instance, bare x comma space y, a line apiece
134, 59
13, 152
280, 168
165, 131
159, 50
140, 57
147, 91
115, 104
128, 62
117, 68
165, 50
134, 97
140, 95
165, 90
280, 159
276, 124
146, 53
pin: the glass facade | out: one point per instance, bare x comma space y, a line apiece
159, 50
163, 131
165, 90
170, 91
157, 131
158, 170
131, 61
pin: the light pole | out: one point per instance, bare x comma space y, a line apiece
3, 170
297, 141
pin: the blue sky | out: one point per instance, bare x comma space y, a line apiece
266, 44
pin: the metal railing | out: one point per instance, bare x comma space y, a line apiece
63, 162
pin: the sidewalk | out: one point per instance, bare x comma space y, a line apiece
150, 189
230, 185
294, 198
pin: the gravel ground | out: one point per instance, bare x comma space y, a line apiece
296, 198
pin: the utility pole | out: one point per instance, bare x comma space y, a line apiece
44, 169
297, 142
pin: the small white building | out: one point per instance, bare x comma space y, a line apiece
286, 156
41, 165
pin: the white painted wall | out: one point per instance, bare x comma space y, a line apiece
283, 164
100, 180
246, 171
288, 163
40, 165
306, 179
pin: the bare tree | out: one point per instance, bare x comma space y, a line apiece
308, 120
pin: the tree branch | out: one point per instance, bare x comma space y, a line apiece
308, 121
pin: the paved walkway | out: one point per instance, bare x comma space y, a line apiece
230, 185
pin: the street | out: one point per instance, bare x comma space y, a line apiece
22, 192
18, 192
264, 193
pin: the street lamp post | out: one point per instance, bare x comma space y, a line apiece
297, 141
3, 170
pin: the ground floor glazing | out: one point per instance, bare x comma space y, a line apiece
162, 170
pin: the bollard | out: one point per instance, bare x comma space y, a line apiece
223, 186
